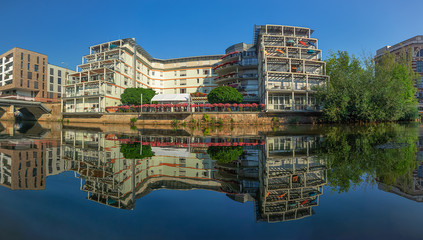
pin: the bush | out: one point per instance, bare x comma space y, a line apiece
232, 120
225, 154
220, 122
206, 117
134, 120
224, 94
132, 96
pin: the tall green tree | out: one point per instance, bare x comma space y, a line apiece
132, 96
362, 91
224, 94
225, 154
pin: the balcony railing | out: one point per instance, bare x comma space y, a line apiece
17, 97
82, 93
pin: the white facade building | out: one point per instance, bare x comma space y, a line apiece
111, 67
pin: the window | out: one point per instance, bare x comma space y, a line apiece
59, 81
206, 72
37, 76
51, 71
22, 56
36, 85
29, 76
44, 61
59, 88
35, 67
29, 65
27, 83
29, 58
21, 73
420, 53
51, 79
419, 66
198, 80
38, 60
59, 73
198, 71
22, 65
44, 69
43, 77
183, 90
51, 87
183, 73
21, 82
183, 82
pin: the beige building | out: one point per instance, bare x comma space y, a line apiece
111, 67
56, 79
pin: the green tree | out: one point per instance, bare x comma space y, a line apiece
132, 96
224, 94
362, 91
132, 151
376, 153
225, 154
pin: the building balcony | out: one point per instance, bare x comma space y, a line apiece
6, 82
8, 60
230, 56
86, 93
17, 97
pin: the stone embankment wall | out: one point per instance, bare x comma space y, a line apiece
227, 118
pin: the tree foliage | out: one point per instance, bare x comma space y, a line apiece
225, 154
132, 96
362, 91
376, 153
224, 94
132, 151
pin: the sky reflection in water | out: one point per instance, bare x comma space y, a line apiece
311, 182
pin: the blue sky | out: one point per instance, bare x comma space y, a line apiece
168, 29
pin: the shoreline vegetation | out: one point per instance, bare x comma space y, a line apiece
369, 90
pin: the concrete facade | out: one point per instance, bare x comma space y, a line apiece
111, 67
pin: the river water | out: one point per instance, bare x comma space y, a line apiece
296, 182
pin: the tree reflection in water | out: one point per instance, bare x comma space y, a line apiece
282, 173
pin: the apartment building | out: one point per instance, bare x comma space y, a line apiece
290, 67
56, 79
413, 47
111, 67
281, 68
24, 75
238, 68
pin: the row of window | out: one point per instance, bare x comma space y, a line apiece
29, 58
182, 73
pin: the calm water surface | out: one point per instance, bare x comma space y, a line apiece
299, 182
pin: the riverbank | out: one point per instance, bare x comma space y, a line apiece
204, 119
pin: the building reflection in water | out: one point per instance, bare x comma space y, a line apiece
409, 186
25, 163
291, 178
281, 174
